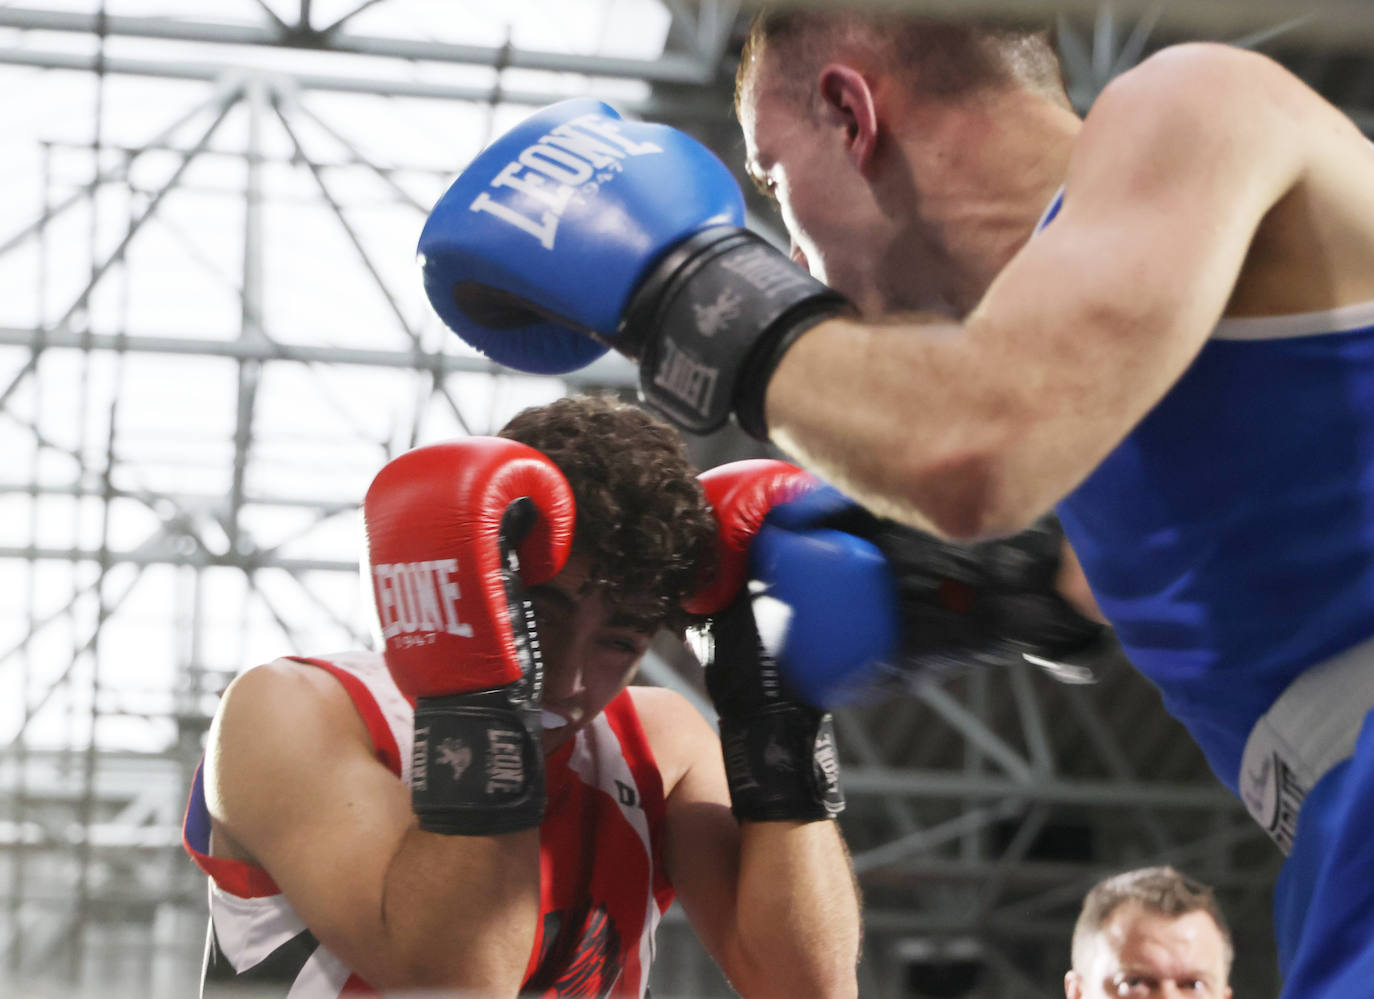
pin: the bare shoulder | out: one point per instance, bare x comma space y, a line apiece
1198, 98
676, 731
1192, 77
1240, 129
274, 720
1196, 128
283, 690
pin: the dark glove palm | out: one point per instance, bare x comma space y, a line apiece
963, 604
780, 756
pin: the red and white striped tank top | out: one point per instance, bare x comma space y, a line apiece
603, 885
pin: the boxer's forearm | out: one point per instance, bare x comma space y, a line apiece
458, 912
895, 417
798, 912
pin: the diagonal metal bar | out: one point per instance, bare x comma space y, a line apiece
137, 224
714, 29
355, 156
344, 19
1015, 852
1117, 763
32, 709
272, 16
25, 369
932, 836
1073, 51
1137, 40
1104, 42
361, 250
1032, 718
221, 97
975, 731
1255, 39
440, 388
182, 518
855, 739
37, 625
363, 255
346, 411
293, 637
360, 638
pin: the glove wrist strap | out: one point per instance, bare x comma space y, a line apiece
477, 766
781, 764
711, 322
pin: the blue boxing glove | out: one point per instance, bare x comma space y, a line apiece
954, 606
577, 231
826, 607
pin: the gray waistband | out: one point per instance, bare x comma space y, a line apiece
1307, 731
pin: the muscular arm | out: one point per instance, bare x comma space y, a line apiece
775, 903
292, 780
976, 428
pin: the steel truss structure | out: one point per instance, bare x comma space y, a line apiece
151, 555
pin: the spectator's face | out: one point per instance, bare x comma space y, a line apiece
1140, 954
590, 652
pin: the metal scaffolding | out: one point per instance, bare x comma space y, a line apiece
180, 500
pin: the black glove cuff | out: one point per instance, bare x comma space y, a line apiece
1030, 613
711, 322
477, 765
781, 765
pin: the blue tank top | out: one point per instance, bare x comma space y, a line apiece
1229, 539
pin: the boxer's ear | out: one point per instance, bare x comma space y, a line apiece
848, 100
1073, 985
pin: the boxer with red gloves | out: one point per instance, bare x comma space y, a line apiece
484, 806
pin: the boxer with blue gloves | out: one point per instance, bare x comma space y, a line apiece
577, 232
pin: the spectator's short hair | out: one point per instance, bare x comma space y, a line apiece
1161, 890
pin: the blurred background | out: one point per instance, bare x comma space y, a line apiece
212, 334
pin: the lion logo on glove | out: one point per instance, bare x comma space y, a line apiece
457, 755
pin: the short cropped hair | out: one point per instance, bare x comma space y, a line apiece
936, 56
1161, 890
642, 516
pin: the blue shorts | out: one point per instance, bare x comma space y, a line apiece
1324, 897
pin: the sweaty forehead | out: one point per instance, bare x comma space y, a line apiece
1185, 943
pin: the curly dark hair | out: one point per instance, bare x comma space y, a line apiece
642, 517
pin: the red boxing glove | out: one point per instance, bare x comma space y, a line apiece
742, 493
455, 532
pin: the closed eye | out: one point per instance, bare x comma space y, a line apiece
765, 185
